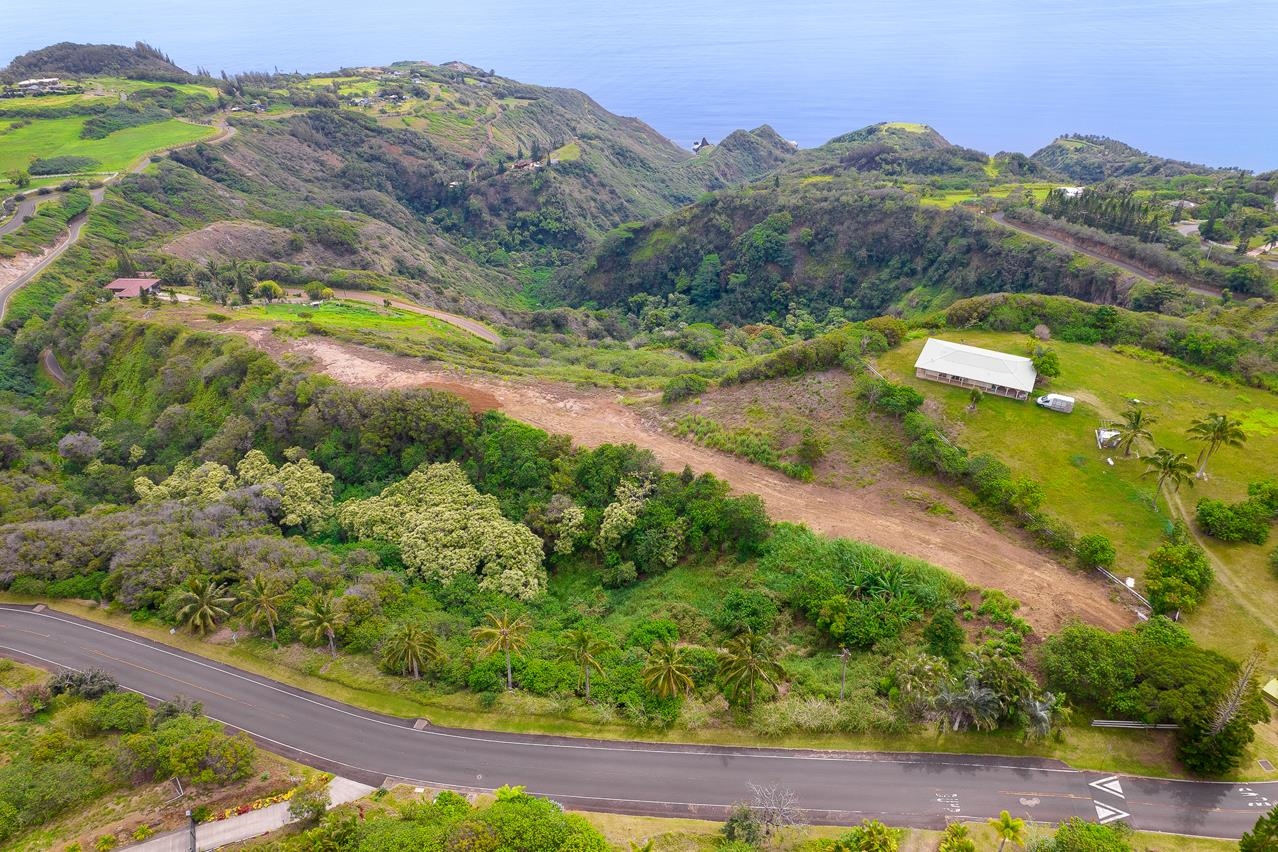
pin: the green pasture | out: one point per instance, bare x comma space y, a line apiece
568, 153
51, 102
128, 87
946, 200
351, 319
55, 137
1059, 451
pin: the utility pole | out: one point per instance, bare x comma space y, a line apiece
844, 655
191, 826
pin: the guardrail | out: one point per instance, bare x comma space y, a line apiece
1140, 726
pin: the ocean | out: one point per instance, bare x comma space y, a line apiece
1190, 79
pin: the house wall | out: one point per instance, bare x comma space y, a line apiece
960, 381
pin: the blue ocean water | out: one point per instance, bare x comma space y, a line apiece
1190, 79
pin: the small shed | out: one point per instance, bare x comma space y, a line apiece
993, 372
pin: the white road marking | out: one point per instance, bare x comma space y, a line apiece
1109, 785
1106, 814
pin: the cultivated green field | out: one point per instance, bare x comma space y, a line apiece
56, 137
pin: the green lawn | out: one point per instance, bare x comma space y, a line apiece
1059, 451
55, 137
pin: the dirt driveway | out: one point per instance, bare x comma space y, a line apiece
964, 543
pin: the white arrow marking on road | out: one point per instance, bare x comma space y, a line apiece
1106, 814
1109, 785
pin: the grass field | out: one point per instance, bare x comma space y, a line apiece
1059, 451
51, 102
946, 200
347, 319
56, 137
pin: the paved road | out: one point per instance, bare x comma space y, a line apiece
53, 366
1126, 267
24, 208
664, 779
75, 226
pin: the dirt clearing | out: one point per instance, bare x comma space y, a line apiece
963, 543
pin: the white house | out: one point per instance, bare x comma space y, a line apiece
970, 367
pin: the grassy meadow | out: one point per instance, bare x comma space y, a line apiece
58, 137
1059, 451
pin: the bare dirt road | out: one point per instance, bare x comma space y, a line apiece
964, 543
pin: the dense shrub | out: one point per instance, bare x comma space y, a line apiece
682, 387
1095, 551
1246, 520
1178, 575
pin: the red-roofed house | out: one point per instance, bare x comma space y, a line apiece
131, 288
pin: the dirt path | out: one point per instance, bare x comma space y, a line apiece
964, 543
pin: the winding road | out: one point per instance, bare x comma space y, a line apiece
922, 790
75, 227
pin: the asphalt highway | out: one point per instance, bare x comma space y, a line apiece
75, 226
921, 790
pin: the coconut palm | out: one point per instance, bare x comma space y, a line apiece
319, 621
408, 648
1168, 467
202, 604
583, 648
260, 601
505, 634
667, 672
748, 661
1007, 827
1135, 427
1216, 431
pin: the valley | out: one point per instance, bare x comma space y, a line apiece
447, 394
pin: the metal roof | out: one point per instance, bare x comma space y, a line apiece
980, 365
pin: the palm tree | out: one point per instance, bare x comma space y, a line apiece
408, 648
318, 621
1135, 427
1216, 431
667, 672
1007, 827
583, 648
260, 600
916, 677
1168, 467
748, 661
969, 705
505, 634
202, 604
1040, 713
